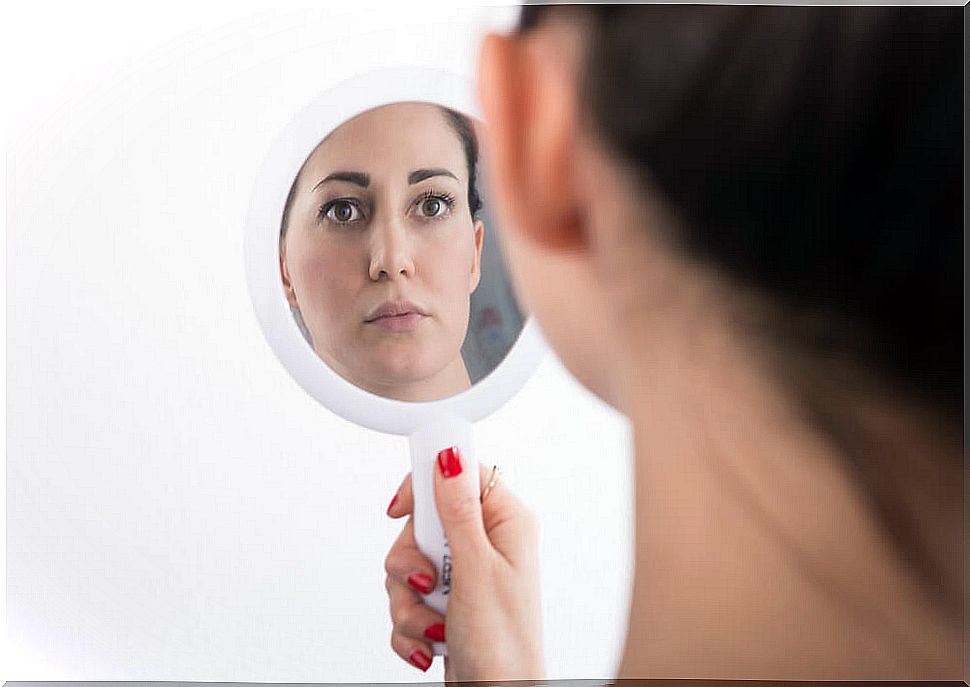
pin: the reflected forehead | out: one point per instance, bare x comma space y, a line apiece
390, 142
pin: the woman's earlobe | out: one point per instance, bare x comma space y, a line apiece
476, 273
285, 276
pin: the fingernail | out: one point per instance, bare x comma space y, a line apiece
449, 461
391, 504
436, 632
420, 659
421, 582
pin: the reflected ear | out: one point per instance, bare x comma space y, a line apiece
476, 275
285, 275
529, 101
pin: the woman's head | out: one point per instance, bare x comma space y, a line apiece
380, 249
807, 155
681, 181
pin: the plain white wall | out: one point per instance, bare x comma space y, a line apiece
176, 507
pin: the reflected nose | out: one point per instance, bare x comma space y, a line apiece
390, 252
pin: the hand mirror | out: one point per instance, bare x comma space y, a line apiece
376, 276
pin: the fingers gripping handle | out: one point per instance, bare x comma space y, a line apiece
428, 531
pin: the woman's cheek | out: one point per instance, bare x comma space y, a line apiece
446, 265
453, 257
327, 286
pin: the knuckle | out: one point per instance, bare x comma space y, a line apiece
402, 616
396, 643
530, 520
463, 508
395, 609
400, 646
532, 527
397, 560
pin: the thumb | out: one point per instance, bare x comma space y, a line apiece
456, 493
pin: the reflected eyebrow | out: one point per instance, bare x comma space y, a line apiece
358, 178
422, 174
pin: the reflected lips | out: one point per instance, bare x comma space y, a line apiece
398, 323
402, 316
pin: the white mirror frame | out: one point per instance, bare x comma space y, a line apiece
325, 113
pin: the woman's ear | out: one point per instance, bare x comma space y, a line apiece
285, 275
476, 275
528, 94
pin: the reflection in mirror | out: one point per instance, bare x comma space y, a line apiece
388, 257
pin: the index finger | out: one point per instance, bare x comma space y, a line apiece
405, 559
403, 502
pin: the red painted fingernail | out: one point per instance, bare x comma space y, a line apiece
391, 504
420, 659
421, 582
436, 632
449, 461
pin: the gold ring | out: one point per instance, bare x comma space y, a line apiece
493, 478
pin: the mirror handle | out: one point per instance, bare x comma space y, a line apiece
426, 442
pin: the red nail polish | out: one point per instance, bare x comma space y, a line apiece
436, 632
421, 582
449, 460
419, 659
391, 504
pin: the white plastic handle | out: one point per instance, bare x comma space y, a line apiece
436, 436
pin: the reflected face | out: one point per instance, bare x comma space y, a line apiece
380, 253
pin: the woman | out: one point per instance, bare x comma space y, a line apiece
380, 249
741, 226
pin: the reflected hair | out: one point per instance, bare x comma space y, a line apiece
469, 143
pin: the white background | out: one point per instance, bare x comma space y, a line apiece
176, 507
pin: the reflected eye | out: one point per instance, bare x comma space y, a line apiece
341, 211
433, 204
431, 207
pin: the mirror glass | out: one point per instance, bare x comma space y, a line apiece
388, 257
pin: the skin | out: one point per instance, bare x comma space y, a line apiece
757, 555
494, 623
348, 249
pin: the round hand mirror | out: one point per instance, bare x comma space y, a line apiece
376, 277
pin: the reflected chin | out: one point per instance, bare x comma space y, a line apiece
406, 374
390, 368
404, 358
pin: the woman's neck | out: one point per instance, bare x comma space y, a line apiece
758, 553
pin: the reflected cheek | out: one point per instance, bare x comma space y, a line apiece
447, 260
446, 271
324, 290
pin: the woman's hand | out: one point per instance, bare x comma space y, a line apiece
493, 628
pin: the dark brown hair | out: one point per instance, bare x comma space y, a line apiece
813, 155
